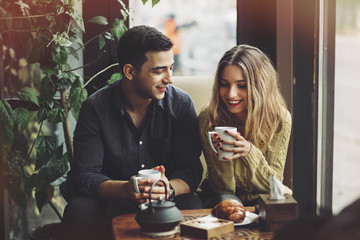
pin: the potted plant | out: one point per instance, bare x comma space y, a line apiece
53, 30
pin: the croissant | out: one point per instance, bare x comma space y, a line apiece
229, 209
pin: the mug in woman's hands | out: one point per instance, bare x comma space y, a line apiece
221, 132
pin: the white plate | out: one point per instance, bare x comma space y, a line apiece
249, 218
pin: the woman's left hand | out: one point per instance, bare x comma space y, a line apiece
240, 148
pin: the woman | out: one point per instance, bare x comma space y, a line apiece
246, 96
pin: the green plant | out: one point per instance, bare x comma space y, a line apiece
53, 26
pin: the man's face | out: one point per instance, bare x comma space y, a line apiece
155, 74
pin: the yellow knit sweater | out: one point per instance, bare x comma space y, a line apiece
248, 176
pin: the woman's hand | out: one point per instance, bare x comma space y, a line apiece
240, 148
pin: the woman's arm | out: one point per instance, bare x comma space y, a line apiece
261, 166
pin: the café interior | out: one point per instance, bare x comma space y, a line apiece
302, 38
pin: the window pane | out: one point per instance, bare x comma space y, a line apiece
202, 30
346, 179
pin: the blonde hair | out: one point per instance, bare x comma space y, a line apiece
266, 105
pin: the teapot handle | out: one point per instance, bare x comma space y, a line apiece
152, 188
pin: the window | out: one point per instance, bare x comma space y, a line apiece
346, 178
201, 30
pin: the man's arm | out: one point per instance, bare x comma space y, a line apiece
116, 189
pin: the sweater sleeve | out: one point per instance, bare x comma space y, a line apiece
259, 166
220, 173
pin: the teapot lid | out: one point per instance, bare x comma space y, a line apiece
160, 204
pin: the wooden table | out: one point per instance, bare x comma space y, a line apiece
125, 227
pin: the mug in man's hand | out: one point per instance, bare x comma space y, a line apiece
145, 174
221, 132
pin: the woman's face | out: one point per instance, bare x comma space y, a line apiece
233, 90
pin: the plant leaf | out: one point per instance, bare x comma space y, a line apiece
58, 169
144, 1
42, 114
74, 53
154, 2
59, 54
7, 118
61, 40
114, 77
99, 20
109, 36
78, 95
45, 147
39, 53
47, 89
125, 14
101, 42
7, 114
28, 94
56, 115
119, 28
43, 196
79, 20
21, 117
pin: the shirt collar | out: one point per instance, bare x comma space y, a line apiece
119, 104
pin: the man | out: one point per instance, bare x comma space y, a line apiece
139, 122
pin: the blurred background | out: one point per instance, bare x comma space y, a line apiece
201, 30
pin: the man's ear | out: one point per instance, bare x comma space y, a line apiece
129, 71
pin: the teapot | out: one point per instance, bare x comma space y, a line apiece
158, 216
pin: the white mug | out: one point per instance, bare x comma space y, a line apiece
221, 132
145, 174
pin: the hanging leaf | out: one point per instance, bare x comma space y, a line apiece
144, 1
61, 40
39, 52
58, 168
109, 36
42, 114
43, 196
101, 42
78, 95
79, 20
47, 88
119, 28
45, 147
56, 115
114, 77
7, 114
59, 54
99, 20
21, 118
28, 94
154, 2
74, 53
125, 14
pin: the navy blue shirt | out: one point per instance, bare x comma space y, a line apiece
107, 145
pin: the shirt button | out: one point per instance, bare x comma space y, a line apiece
140, 142
142, 165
